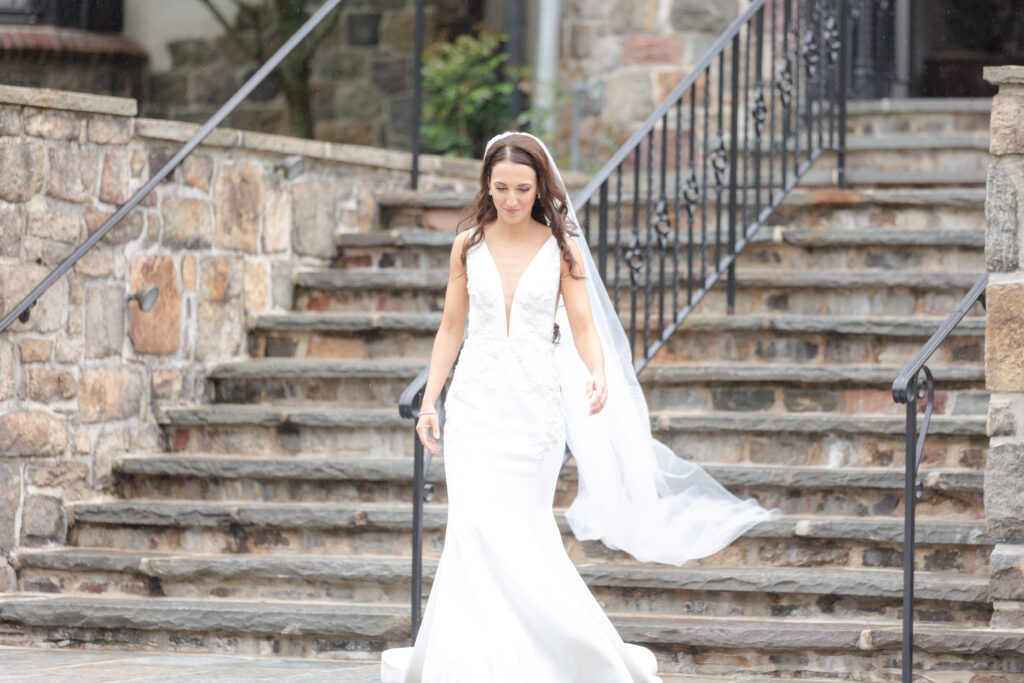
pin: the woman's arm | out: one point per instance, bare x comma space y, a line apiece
448, 339
584, 334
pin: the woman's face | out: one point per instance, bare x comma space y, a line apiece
513, 190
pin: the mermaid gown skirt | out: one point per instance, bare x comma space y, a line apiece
507, 605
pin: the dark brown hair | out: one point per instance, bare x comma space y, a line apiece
551, 207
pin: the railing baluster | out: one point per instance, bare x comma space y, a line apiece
733, 160
648, 242
602, 232
675, 205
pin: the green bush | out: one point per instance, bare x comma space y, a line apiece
468, 87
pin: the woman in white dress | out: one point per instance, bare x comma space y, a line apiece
506, 604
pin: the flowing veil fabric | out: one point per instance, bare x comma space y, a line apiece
635, 494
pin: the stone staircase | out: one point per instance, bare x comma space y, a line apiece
278, 520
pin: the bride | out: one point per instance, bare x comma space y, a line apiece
506, 604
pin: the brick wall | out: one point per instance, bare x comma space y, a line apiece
220, 237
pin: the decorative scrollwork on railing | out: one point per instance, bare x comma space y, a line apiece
759, 110
809, 52
691, 193
784, 81
662, 223
634, 260
832, 39
719, 161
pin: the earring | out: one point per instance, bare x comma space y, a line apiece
489, 192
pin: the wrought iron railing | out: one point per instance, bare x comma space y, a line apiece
23, 309
680, 199
914, 384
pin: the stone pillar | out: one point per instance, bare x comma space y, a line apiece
1004, 346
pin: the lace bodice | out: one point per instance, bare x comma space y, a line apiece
532, 312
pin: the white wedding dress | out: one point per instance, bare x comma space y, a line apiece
507, 605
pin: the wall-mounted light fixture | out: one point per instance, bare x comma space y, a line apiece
146, 297
291, 167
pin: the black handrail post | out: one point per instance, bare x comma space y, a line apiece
734, 87
417, 95
844, 53
416, 584
909, 505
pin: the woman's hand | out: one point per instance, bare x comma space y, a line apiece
597, 392
428, 431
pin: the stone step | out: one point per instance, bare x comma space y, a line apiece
702, 338
798, 388
923, 115
694, 644
834, 250
821, 207
803, 292
638, 589
808, 438
827, 174
376, 528
954, 494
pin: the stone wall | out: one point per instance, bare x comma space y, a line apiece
221, 238
1004, 346
631, 54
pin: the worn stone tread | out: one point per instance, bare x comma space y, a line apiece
391, 622
400, 469
437, 279
796, 236
838, 375
141, 512
814, 423
327, 368
887, 583
799, 324
269, 415
899, 178
919, 105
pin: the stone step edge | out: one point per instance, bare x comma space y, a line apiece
943, 197
145, 512
919, 105
885, 583
427, 323
859, 583
400, 470
391, 623
796, 236
437, 279
655, 373
328, 417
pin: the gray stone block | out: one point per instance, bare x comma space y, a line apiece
1004, 505
1002, 229
104, 321
1006, 572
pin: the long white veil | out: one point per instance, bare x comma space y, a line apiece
635, 494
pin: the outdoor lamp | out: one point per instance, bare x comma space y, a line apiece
291, 167
146, 297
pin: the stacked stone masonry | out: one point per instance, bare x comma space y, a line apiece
1004, 360
220, 238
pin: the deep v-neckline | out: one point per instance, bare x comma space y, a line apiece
501, 281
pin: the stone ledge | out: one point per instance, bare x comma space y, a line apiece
299, 368
800, 373
796, 324
885, 583
268, 415
45, 98
809, 423
397, 517
264, 616
437, 279
920, 105
400, 470
1003, 75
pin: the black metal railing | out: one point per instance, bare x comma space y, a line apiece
22, 310
914, 384
681, 198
